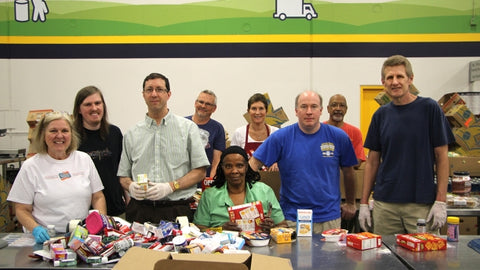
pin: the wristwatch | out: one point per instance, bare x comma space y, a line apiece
176, 185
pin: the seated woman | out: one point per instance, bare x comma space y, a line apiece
58, 184
236, 183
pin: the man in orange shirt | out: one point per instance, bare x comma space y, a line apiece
337, 108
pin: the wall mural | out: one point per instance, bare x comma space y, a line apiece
245, 23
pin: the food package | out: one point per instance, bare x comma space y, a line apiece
421, 242
283, 235
364, 240
304, 222
248, 216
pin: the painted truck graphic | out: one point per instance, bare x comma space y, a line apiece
294, 9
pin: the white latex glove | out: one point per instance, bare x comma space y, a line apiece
136, 191
158, 191
364, 217
439, 214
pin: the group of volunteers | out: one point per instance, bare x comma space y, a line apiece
83, 162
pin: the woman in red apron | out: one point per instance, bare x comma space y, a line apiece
251, 136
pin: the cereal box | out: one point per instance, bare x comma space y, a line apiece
248, 216
364, 240
421, 242
304, 222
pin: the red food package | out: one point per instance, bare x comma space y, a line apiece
421, 242
248, 216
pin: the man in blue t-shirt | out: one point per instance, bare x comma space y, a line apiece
211, 131
310, 156
407, 139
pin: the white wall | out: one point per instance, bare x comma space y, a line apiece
30, 84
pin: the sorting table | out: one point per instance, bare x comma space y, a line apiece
458, 255
304, 253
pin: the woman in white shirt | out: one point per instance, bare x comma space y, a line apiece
59, 183
251, 136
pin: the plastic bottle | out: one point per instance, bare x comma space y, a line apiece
453, 229
51, 230
421, 225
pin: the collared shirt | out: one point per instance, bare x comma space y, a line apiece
164, 152
212, 209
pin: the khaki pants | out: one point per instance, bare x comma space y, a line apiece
319, 227
399, 218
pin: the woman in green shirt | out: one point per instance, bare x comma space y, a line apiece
236, 183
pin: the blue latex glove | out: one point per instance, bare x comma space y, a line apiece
41, 235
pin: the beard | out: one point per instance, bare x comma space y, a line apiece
337, 117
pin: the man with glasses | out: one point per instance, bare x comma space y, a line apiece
309, 156
167, 149
337, 108
211, 131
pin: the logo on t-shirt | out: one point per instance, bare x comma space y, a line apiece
328, 149
64, 175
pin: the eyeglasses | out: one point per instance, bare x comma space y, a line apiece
158, 90
201, 102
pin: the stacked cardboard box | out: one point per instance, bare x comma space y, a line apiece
33, 118
465, 125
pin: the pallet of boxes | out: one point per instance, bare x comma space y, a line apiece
464, 159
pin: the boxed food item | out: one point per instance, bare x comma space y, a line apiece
364, 240
248, 216
140, 258
304, 222
283, 235
142, 180
421, 242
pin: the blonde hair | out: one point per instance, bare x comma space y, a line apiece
38, 141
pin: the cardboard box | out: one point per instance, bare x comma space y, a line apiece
140, 258
449, 100
273, 180
469, 164
358, 183
421, 242
468, 226
34, 116
460, 116
382, 98
468, 139
364, 240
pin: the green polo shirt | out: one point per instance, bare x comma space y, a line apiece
212, 208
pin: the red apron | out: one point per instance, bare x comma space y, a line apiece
250, 147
